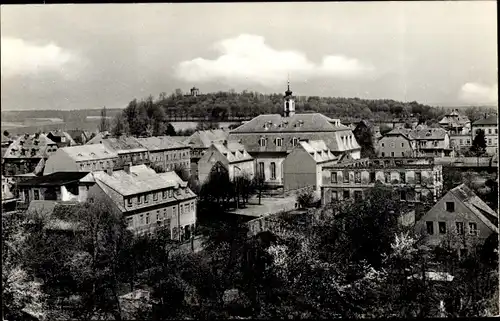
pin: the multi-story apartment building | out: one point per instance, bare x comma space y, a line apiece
490, 127
396, 143
200, 141
270, 138
303, 166
26, 153
455, 123
230, 155
414, 177
84, 158
432, 142
460, 143
149, 201
460, 218
167, 153
128, 148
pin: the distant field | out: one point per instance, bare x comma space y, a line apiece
20, 128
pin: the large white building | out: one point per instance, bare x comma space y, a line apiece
270, 138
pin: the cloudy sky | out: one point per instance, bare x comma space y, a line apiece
89, 56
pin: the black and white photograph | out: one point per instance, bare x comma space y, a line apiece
249, 160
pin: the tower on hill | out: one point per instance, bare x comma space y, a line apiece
289, 103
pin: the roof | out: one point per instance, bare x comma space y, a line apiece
313, 122
233, 151
490, 120
428, 133
160, 143
140, 180
405, 132
476, 205
89, 152
97, 139
123, 144
34, 146
54, 179
318, 150
205, 138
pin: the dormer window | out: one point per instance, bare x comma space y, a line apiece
295, 141
262, 142
279, 142
35, 142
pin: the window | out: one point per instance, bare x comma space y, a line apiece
333, 177
387, 177
489, 141
430, 227
460, 227
346, 177
129, 201
192, 207
489, 131
372, 177
139, 199
357, 177
383, 154
472, 228
262, 142
130, 221
335, 195
181, 209
158, 218
295, 141
496, 130
358, 196
36, 194
392, 154
402, 195
383, 145
346, 194
460, 142
450, 206
141, 219
170, 193
418, 195
402, 177
261, 169
418, 178
147, 219
402, 144
155, 196
468, 141
146, 198
393, 145
442, 227
279, 142
164, 194
273, 170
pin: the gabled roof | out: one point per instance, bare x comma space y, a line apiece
89, 152
39, 143
475, 205
318, 150
233, 151
405, 132
157, 143
313, 122
98, 138
205, 138
123, 144
428, 133
63, 134
140, 180
490, 120
54, 179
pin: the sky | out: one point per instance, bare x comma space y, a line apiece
94, 55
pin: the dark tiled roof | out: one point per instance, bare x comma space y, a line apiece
34, 146
276, 123
54, 179
428, 133
491, 120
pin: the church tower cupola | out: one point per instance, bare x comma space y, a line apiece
289, 103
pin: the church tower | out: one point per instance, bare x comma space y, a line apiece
289, 103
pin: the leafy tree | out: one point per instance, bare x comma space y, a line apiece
364, 137
479, 143
305, 197
104, 123
119, 126
170, 131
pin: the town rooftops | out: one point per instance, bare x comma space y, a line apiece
205, 138
428, 133
54, 179
98, 138
31, 146
89, 152
233, 151
157, 143
400, 131
313, 122
141, 179
318, 150
490, 120
123, 144
476, 205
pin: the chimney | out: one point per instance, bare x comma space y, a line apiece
126, 168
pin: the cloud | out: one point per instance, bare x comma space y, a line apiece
476, 93
22, 58
248, 58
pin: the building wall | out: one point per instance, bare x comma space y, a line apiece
168, 159
431, 182
244, 168
60, 162
394, 146
267, 159
207, 161
438, 214
491, 135
299, 170
458, 142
